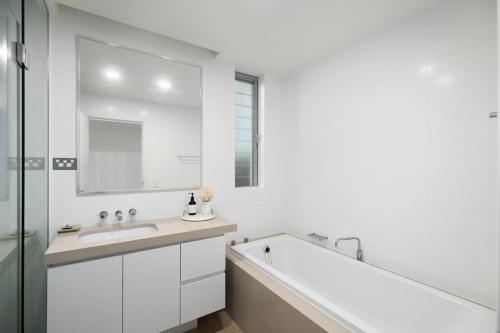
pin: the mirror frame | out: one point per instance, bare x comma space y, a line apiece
81, 193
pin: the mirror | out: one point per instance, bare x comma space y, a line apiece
139, 121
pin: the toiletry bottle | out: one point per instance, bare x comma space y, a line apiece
192, 205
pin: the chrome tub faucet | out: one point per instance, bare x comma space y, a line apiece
359, 252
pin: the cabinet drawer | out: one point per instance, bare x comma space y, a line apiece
202, 297
202, 257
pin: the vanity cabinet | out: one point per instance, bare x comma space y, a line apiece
85, 297
151, 292
146, 291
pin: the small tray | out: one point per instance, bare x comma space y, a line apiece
197, 217
68, 228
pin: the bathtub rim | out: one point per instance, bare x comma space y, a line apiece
447, 294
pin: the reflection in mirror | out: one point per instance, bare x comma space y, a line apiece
139, 121
105, 151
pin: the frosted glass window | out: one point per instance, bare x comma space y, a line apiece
246, 130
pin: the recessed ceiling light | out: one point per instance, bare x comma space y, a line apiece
144, 112
163, 84
110, 108
112, 74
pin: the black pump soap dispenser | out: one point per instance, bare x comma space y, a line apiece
192, 205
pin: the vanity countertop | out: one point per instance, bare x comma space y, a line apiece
67, 247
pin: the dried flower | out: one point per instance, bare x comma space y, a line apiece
205, 195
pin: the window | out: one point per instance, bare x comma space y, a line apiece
246, 130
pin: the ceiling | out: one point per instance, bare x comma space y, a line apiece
113, 71
277, 36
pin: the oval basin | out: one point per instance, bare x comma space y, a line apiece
121, 232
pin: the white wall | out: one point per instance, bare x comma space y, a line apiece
257, 211
169, 131
394, 145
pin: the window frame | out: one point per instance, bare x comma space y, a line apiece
254, 80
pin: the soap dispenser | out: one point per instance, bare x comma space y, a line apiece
192, 205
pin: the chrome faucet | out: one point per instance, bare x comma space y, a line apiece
119, 215
359, 253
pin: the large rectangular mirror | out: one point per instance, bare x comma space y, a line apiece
139, 121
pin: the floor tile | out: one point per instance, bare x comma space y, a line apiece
217, 322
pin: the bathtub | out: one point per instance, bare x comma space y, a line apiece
362, 297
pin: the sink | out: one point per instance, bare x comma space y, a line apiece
119, 232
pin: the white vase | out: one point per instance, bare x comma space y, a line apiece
206, 208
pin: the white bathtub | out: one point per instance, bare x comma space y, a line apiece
362, 297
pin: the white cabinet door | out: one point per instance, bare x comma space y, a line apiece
85, 297
202, 297
151, 290
203, 257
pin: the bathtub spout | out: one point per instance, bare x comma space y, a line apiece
359, 252
318, 237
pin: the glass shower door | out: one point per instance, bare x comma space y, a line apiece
23, 166
10, 172
36, 165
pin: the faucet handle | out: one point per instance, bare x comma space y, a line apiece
103, 214
132, 212
119, 215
